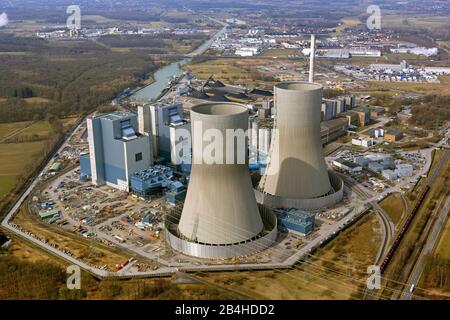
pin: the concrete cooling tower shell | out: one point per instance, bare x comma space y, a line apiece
220, 206
297, 168
220, 217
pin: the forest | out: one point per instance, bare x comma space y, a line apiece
69, 77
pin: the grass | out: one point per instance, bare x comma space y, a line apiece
337, 271
19, 158
8, 128
37, 100
443, 246
442, 88
40, 128
445, 44
16, 158
351, 22
279, 53
405, 22
393, 205
226, 70
6, 183
14, 53
404, 56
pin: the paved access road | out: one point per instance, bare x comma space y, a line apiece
428, 248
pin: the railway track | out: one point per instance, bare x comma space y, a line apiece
429, 182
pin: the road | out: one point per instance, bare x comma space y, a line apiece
428, 248
388, 231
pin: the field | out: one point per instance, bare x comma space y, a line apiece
279, 53
26, 144
34, 274
393, 205
15, 159
9, 128
337, 271
234, 71
405, 22
442, 88
443, 246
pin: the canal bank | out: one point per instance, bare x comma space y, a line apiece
164, 75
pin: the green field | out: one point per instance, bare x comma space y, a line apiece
40, 128
443, 247
18, 158
8, 128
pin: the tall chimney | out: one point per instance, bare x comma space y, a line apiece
312, 56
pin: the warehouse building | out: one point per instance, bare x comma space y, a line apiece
393, 135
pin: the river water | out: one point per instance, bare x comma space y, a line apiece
164, 75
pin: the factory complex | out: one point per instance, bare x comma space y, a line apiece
237, 177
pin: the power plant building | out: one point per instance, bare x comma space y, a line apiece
162, 122
116, 150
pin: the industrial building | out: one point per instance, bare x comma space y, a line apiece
164, 123
363, 115
404, 170
376, 112
297, 175
297, 221
393, 135
220, 217
116, 150
366, 143
175, 193
372, 133
389, 174
332, 129
347, 165
151, 180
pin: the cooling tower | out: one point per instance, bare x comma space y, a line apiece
220, 206
220, 217
297, 168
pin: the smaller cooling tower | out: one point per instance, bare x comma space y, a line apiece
297, 175
220, 217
